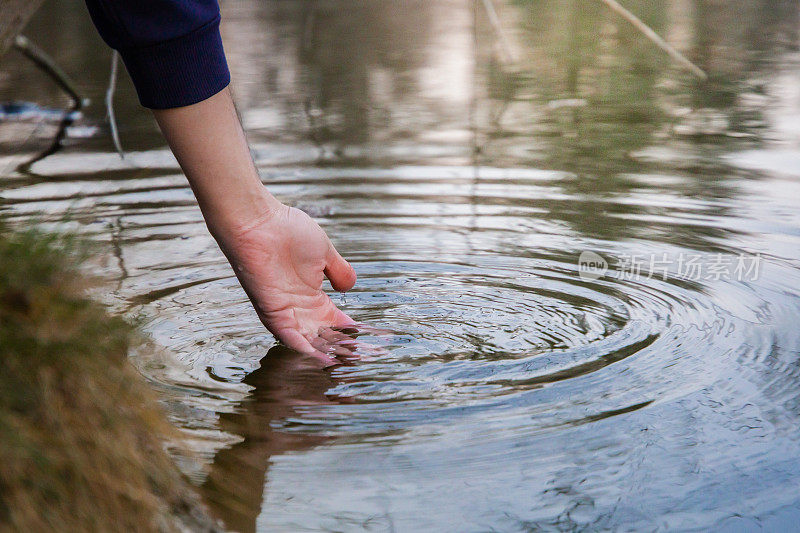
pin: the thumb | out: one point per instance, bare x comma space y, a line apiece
339, 271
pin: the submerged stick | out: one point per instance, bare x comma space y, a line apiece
655, 38
112, 119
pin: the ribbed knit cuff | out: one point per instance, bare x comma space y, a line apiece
181, 71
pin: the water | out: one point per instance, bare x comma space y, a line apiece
497, 388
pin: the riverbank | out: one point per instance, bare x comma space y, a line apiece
81, 435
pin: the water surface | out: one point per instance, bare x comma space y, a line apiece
499, 389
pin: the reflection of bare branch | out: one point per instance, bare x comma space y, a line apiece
655, 38
24, 145
116, 234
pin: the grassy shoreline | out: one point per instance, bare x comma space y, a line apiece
81, 434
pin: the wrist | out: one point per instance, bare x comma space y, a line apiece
235, 214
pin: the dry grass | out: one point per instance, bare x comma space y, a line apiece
80, 434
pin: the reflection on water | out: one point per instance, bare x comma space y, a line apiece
463, 178
234, 487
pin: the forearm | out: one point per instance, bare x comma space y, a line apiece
173, 51
208, 141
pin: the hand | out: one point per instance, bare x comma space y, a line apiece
278, 253
280, 259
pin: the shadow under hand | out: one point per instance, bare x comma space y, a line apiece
234, 488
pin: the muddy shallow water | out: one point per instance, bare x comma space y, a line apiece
502, 387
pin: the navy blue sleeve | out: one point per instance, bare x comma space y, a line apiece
171, 48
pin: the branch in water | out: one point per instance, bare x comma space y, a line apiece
46, 63
655, 38
112, 87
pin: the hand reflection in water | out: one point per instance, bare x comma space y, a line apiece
234, 489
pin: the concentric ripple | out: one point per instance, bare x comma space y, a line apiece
482, 350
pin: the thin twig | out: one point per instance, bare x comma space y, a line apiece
112, 87
655, 38
494, 20
44, 62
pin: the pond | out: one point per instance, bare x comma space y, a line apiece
579, 264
